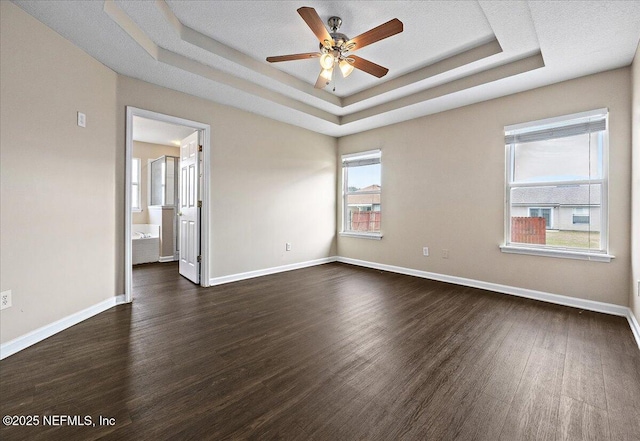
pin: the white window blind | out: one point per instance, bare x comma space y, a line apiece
588, 122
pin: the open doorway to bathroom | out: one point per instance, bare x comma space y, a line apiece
167, 179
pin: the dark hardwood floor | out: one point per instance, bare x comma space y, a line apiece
333, 352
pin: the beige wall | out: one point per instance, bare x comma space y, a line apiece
634, 301
62, 212
146, 151
57, 211
62, 187
443, 187
271, 183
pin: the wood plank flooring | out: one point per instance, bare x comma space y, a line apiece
333, 352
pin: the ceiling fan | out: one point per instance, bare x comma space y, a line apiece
336, 48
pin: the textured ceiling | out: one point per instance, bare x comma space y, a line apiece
275, 28
451, 53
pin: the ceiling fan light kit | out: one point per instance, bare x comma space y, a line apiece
346, 68
327, 74
326, 61
335, 47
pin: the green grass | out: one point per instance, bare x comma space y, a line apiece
574, 239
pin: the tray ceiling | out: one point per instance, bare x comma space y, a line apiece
450, 54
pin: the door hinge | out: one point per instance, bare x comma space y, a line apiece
199, 148
199, 204
199, 258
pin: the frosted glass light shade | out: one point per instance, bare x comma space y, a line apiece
345, 67
326, 61
326, 74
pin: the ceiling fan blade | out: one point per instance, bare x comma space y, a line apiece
369, 67
313, 20
290, 57
388, 29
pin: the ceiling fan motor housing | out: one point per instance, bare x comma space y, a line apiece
338, 37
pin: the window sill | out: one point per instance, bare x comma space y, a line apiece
563, 254
372, 236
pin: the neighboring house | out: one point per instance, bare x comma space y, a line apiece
363, 210
365, 202
575, 208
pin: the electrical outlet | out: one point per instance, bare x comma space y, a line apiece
82, 119
287, 246
425, 251
445, 254
5, 299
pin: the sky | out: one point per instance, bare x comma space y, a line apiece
364, 176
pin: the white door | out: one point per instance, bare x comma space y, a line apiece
188, 210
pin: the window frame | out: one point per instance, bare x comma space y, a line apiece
600, 255
136, 185
351, 157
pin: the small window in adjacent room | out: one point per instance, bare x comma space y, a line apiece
556, 190
135, 185
362, 212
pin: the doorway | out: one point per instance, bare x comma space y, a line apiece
190, 198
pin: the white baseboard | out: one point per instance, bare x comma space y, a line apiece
635, 327
273, 270
33, 337
166, 259
589, 305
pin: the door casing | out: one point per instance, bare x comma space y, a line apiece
205, 233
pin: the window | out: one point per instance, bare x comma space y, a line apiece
135, 184
361, 175
581, 215
544, 213
556, 190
